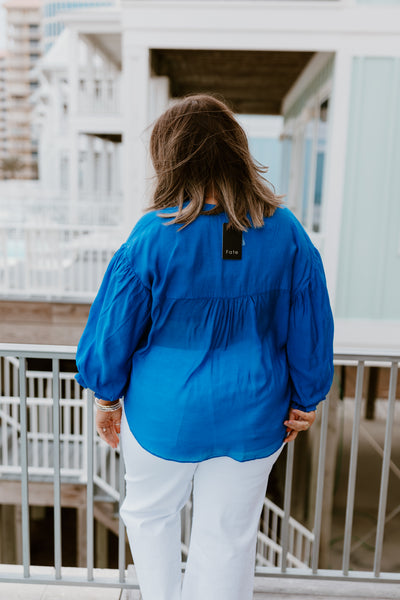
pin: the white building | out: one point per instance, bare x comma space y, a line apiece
316, 63
53, 17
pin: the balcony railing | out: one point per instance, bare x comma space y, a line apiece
55, 261
33, 205
99, 96
46, 410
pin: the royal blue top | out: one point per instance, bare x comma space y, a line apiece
208, 353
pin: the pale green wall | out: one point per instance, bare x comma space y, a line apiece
369, 264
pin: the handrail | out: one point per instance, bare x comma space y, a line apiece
287, 559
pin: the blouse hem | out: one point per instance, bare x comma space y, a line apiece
217, 454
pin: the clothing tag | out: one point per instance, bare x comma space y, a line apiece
231, 243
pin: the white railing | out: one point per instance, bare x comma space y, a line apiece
47, 261
291, 550
73, 403
100, 96
32, 205
40, 434
269, 548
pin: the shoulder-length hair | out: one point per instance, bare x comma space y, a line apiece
197, 148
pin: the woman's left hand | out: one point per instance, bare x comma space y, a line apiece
298, 421
108, 426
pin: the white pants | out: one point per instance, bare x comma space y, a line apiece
227, 501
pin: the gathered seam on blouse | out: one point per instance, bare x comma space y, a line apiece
284, 290
131, 268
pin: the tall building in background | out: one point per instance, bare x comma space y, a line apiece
53, 23
24, 41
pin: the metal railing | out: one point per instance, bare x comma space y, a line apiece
46, 261
73, 407
307, 545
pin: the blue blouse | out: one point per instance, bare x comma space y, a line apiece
208, 353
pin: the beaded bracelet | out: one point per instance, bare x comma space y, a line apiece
106, 408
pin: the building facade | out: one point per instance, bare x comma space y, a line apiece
23, 51
314, 63
53, 21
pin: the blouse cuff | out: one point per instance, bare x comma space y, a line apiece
82, 383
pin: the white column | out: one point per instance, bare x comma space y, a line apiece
59, 124
90, 168
89, 100
159, 96
103, 171
135, 96
335, 167
73, 163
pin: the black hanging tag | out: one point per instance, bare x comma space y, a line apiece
231, 243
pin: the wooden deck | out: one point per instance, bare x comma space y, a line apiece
42, 322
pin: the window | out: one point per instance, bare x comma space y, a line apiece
304, 152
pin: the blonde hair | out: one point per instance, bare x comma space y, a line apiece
198, 147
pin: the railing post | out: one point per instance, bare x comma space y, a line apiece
287, 504
24, 469
320, 485
121, 526
89, 484
353, 468
57, 467
385, 469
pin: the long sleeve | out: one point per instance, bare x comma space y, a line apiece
310, 339
117, 321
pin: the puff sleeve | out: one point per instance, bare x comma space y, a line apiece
117, 321
310, 339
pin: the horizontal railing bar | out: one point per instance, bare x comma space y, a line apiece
60, 227
328, 574
65, 297
111, 579
42, 401
358, 354
37, 351
47, 351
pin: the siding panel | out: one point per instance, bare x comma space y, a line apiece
369, 264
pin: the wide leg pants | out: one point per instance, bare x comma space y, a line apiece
227, 501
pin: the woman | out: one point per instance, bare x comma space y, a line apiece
213, 323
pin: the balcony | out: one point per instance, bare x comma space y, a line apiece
99, 96
55, 261
48, 442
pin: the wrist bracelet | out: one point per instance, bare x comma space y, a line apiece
106, 408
